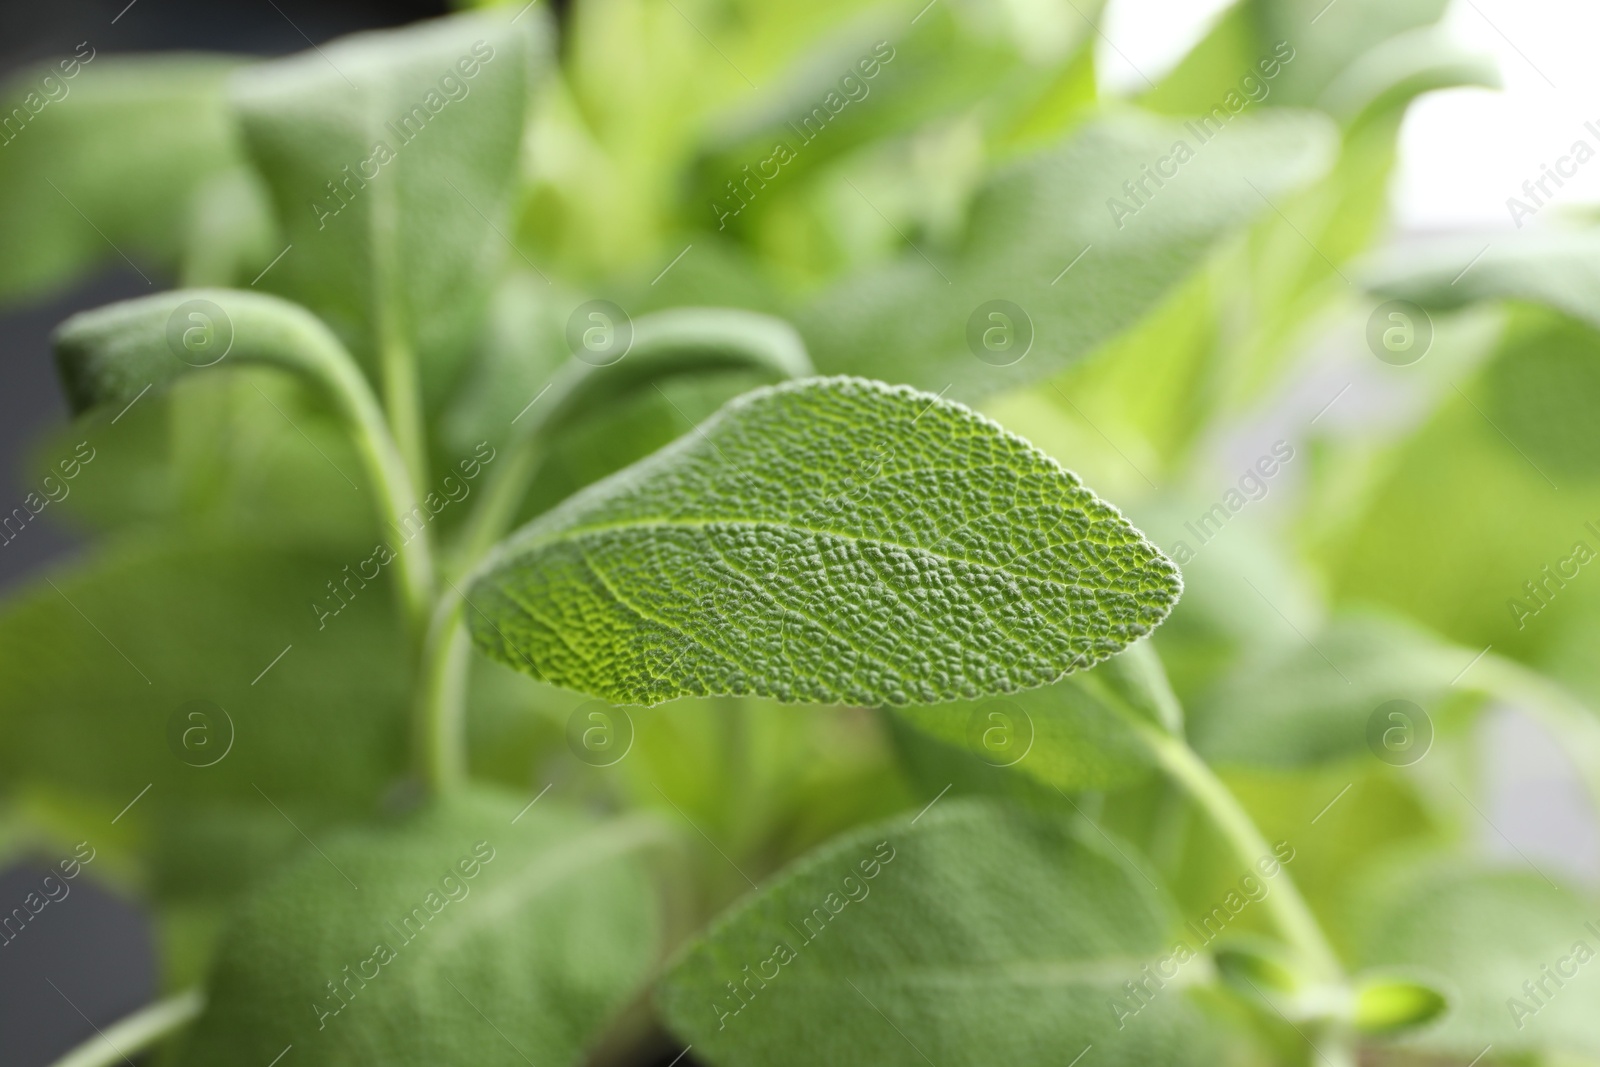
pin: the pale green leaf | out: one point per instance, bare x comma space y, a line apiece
104, 164
1079, 733
971, 934
449, 936
831, 540
111, 355
1390, 1004
391, 159
1487, 939
1307, 703
1558, 268
101, 658
910, 322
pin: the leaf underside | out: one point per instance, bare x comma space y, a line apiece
828, 541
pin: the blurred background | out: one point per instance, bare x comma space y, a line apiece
1462, 153
104, 948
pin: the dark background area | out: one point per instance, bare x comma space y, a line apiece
88, 959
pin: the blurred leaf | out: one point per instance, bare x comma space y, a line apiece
696, 572
974, 934
1496, 458
216, 453
1314, 701
1319, 55
1557, 268
469, 939
113, 354
1065, 735
100, 660
389, 157
1077, 734
922, 321
893, 70
106, 163
1491, 938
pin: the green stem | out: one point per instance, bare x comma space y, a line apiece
1289, 910
441, 696
403, 407
134, 1033
397, 499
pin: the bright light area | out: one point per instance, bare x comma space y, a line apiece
1463, 152
1141, 40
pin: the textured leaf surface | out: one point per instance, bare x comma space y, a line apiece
399, 250
1030, 221
976, 935
469, 940
832, 540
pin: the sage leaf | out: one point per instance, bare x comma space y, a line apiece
970, 934
829, 540
390, 158
923, 319
111, 355
1290, 707
1557, 268
1075, 734
107, 163
106, 654
471, 939
1522, 927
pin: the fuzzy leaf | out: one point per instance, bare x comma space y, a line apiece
922, 320
1557, 268
974, 935
469, 940
831, 540
105, 162
1489, 938
389, 157
111, 355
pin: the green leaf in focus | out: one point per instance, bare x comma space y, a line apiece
830, 540
471, 939
971, 934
